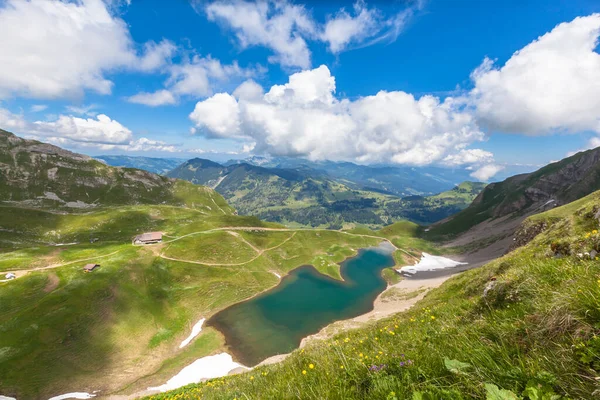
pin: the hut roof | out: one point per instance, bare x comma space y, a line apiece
150, 236
89, 267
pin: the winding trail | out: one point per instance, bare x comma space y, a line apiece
259, 253
260, 228
23, 272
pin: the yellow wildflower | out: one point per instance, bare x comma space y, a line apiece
311, 366
303, 372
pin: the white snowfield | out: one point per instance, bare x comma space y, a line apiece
6, 398
203, 368
196, 329
74, 395
430, 263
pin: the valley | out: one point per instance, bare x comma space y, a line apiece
317, 195
235, 290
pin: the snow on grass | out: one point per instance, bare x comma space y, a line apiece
196, 329
276, 274
430, 263
203, 368
74, 395
6, 398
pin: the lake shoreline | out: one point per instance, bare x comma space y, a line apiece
381, 309
236, 325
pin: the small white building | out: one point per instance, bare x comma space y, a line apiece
10, 275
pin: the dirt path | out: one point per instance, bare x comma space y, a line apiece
52, 283
260, 228
258, 254
22, 272
237, 235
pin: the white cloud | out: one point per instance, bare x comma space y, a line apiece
486, 172
367, 26
218, 115
248, 90
100, 133
195, 77
280, 26
285, 27
551, 85
156, 55
158, 98
83, 110
99, 130
594, 142
57, 49
38, 107
303, 118
469, 156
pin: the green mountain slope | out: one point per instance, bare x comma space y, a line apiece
307, 197
36, 174
532, 332
555, 184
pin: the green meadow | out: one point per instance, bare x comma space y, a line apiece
118, 329
535, 334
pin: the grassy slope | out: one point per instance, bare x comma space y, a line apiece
534, 336
120, 327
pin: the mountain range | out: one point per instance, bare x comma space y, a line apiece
298, 194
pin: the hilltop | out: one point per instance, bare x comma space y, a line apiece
36, 174
522, 327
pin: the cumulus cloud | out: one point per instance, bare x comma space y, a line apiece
285, 28
220, 116
486, 172
99, 130
100, 133
56, 49
248, 90
304, 118
551, 85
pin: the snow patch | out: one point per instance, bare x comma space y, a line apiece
203, 368
74, 395
196, 329
6, 398
276, 274
430, 263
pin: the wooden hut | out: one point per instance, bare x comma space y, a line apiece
90, 267
148, 238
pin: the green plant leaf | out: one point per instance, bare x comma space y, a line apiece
495, 393
457, 367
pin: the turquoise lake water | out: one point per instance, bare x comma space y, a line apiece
302, 304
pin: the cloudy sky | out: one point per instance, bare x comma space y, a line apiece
485, 86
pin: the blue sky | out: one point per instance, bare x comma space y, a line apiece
159, 78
